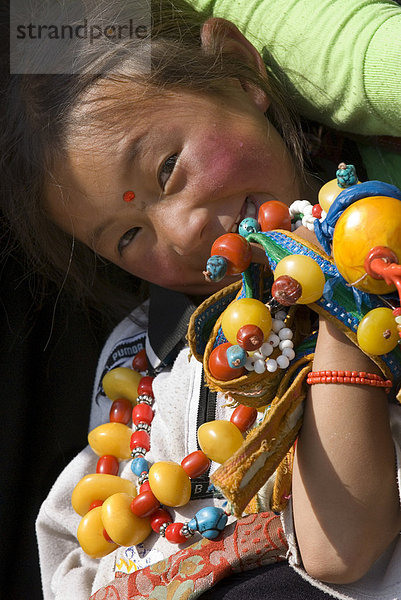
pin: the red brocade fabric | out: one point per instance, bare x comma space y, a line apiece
254, 541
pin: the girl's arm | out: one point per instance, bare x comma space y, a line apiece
345, 496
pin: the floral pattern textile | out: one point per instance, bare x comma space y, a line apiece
251, 542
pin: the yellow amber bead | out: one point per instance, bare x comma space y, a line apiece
377, 332
307, 272
98, 486
169, 483
328, 193
90, 535
111, 438
246, 311
367, 223
121, 383
219, 440
124, 528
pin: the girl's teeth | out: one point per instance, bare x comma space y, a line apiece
250, 209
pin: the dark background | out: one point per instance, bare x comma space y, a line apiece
48, 357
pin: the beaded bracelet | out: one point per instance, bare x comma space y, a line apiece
358, 377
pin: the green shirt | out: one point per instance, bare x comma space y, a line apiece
342, 59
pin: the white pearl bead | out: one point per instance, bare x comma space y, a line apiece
271, 365
259, 366
258, 355
266, 349
285, 333
398, 319
289, 353
303, 205
283, 361
281, 314
277, 325
273, 339
249, 364
286, 344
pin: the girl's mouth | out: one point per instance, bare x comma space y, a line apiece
249, 209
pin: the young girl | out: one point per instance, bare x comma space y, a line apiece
147, 170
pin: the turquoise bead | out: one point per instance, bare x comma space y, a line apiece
248, 226
139, 465
209, 521
216, 267
236, 356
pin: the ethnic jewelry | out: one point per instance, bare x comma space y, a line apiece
114, 513
355, 377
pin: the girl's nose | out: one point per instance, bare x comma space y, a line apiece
182, 226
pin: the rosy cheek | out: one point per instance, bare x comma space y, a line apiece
224, 155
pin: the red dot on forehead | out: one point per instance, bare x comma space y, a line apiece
128, 196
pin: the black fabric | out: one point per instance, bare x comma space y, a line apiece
169, 314
274, 582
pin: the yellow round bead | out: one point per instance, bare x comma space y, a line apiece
98, 486
328, 193
246, 311
219, 440
111, 438
365, 224
121, 383
124, 528
377, 332
307, 272
170, 483
90, 535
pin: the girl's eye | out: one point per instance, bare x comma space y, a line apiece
166, 169
126, 239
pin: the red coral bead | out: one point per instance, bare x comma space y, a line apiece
140, 361
120, 411
140, 439
316, 211
142, 413
195, 464
145, 504
108, 465
95, 504
144, 487
274, 215
173, 533
250, 337
244, 417
235, 249
159, 517
218, 364
145, 386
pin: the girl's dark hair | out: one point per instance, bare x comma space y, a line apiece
37, 114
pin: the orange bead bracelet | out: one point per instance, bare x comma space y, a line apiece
357, 377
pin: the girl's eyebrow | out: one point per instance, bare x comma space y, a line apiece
131, 153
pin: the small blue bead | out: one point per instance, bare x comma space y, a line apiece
139, 465
216, 267
248, 226
209, 521
236, 356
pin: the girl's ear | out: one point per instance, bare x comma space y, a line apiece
219, 35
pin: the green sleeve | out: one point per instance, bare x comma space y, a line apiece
342, 58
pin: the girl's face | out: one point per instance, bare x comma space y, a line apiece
197, 166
